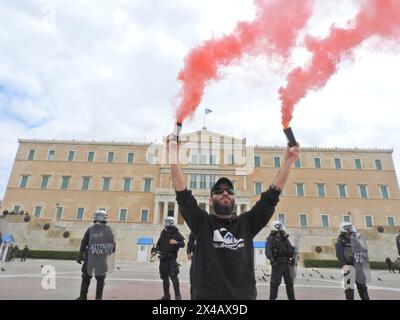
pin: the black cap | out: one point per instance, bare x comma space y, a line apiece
220, 181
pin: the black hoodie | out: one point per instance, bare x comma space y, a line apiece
224, 247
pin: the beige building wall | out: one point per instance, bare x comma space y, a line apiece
206, 155
332, 204
53, 196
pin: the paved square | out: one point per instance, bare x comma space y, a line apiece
140, 281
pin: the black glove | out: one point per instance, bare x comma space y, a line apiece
274, 264
80, 259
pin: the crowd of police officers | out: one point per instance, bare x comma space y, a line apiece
98, 247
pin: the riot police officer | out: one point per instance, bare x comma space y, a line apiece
281, 254
346, 254
167, 248
97, 247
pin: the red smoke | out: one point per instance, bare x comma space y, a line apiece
273, 31
376, 18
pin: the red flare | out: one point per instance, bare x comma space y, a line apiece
273, 31
376, 18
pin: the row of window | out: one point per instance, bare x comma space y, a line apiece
320, 190
207, 159
127, 183
202, 181
110, 158
230, 159
317, 163
203, 159
90, 156
80, 213
325, 222
206, 182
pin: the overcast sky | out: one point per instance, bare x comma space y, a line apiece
107, 70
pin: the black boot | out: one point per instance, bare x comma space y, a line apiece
84, 287
273, 292
349, 294
290, 292
364, 295
363, 292
175, 283
99, 287
166, 295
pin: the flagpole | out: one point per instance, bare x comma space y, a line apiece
206, 111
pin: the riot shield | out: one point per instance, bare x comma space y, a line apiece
293, 263
360, 259
101, 250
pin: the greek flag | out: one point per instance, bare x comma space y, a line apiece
207, 111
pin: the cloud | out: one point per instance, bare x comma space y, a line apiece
108, 70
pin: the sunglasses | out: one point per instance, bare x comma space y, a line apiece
221, 191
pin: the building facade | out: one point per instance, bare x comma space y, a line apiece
66, 181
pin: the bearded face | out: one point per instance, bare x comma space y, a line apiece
223, 202
223, 208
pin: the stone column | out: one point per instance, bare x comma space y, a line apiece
238, 211
176, 210
165, 210
156, 218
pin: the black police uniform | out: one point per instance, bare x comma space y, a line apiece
280, 252
84, 255
344, 253
168, 253
191, 249
398, 243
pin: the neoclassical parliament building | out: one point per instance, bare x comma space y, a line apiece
62, 183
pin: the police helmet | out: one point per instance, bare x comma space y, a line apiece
100, 216
277, 226
169, 221
347, 227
